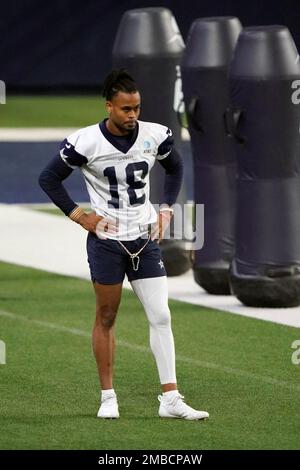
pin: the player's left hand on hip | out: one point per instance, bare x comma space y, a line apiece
160, 227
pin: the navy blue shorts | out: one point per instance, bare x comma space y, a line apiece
109, 262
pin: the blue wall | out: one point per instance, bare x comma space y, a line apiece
68, 43
22, 162
20, 166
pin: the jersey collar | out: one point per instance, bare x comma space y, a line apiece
123, 143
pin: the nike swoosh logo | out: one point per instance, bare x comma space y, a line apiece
68, 146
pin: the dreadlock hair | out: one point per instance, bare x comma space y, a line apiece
118, 80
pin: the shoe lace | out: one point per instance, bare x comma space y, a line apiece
174, 399
109, 400
178, 398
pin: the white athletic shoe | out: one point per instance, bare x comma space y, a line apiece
175, 407
109, 407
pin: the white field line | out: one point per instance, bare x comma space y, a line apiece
55, 244
143, 349
34, 134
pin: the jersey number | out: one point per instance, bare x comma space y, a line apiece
133, 184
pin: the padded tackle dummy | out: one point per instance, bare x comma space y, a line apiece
205, 63
149, 46
265, 117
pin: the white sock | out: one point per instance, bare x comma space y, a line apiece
107, 393
169, 395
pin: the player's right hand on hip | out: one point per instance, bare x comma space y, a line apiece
97, 224
106, 226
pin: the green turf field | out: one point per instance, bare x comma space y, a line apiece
237, 368
51, 111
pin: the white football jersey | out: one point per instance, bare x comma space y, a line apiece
117, 175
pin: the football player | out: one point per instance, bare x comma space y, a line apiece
115, 158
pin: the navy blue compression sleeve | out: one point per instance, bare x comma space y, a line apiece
50, 181
173, 178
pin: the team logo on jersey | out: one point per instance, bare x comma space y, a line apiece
147, 146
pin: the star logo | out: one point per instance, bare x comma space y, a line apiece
161, 264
